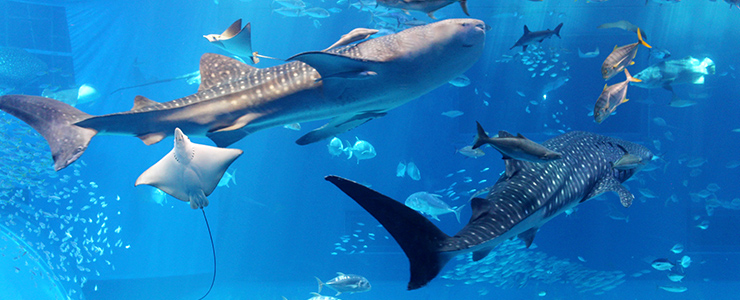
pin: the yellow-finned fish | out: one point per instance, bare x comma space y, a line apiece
611, 97
621, 57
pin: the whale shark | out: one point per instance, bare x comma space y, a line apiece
352, 85
525, 197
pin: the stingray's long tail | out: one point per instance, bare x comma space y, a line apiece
214, 254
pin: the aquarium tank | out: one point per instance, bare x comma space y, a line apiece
369, 149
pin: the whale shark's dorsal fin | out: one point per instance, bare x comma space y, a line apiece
480, 207
512, 166
218, 69
141, 102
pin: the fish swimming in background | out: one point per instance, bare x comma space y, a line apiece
523, 199
401, 169
346, 283
666, 74
531, 37
623, 24
431, 205
460, 81
515, 147
355, 35
611, 97
659, 53
235, 40
235, 99
453, 113
662, 264
360, 150
468, 151
621, 57
591, 54
413, 171
673, 289
228, 177
19, 68
336, 147
426, 6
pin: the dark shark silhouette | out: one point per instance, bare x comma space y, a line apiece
525, 197
531, 37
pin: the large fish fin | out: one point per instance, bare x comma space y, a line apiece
557, 30
56, 122
610, 184
226, 138
480, 208
481, 137
217, 69
331, 65
464, 6
481, 254
526, 30
141, 102
528, 236
233, 30
338, 125
420, 240
642, 41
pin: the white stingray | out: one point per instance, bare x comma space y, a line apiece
190, 172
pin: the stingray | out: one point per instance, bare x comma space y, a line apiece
236, 40
190, 172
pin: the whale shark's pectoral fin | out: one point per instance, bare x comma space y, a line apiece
226, 138
481, 254
610, 184
338, 125
330, 65
528, 236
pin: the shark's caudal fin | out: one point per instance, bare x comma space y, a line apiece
416, 235
481, 138
557, 30
54, 120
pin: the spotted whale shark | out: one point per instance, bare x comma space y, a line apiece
352, 85
526, 196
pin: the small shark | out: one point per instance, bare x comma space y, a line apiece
355, 35
524, 198
531, 37
235, 99
235, 40
623, 24
427, 6
515, 147
190, 172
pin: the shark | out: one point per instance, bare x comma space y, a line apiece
531, 37
526, 196
351, 85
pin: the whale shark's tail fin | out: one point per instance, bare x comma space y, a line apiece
418, 237
54, 120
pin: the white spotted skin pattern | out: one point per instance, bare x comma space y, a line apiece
539, 191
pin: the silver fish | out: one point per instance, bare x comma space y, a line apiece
611, 97
621, 57
346, 283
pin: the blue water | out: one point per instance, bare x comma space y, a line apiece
278, 226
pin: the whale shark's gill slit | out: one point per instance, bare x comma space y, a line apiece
213, 248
